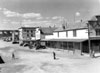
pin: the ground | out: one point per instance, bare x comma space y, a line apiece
41, 61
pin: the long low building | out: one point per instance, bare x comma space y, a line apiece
83, 36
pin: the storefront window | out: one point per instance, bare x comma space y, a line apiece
97, 32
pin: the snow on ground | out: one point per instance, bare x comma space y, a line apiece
41, 61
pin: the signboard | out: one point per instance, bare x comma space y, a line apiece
37, 34
20, 34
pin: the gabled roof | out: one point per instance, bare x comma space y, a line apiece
47, 30
93, 18
78, 25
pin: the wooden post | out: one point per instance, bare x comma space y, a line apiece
62, 44
47, 43
67, 46
89, 43
73, 48
81, 48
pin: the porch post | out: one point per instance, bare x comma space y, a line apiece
81, 47
67, 47
73, 48
89, 43
47, 43
62, 44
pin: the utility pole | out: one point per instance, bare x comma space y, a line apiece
89, 42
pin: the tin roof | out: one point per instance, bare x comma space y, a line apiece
78, 25
24, 27
47, 30
8, 29
66, 40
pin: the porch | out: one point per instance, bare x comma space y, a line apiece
67, 44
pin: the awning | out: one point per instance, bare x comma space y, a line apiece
66, 40
95, 38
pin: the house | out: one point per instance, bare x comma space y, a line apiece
27, 34
8, 34
76, 36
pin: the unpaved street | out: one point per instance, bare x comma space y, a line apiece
30, 61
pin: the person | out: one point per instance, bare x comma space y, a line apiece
1, 60
13, 56
54, 55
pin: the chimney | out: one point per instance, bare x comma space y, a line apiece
64, 25
49, 26
81, 20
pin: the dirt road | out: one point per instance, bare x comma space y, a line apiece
29, 61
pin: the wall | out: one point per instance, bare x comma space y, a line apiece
80, 34
93, 33
24, 35
55, 35
62, 34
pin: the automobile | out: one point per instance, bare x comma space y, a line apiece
40, 46
8, 39
26, 44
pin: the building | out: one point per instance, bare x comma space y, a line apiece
26, 34
9, 34
76, 36
31, 34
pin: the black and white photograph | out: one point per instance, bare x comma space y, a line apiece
49, 36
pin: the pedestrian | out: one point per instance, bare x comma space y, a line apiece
54, 55
13, 56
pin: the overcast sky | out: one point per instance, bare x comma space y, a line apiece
46, 11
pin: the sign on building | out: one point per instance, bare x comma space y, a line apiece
37, 34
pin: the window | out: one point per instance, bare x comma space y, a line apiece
97, 32
31, 35
27, 35
31, 31
27, 31
66, 33
24, 30
74, 33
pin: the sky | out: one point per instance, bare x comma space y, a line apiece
15, 13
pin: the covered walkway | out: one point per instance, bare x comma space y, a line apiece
67, 44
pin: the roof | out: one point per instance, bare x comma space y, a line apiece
66, 40
9, 26
95, 38
8, 29
93, 18
47, 30
28, 27
78, 25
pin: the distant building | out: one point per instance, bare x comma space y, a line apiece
27, 34
9, 34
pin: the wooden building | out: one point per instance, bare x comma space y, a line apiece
76, 36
